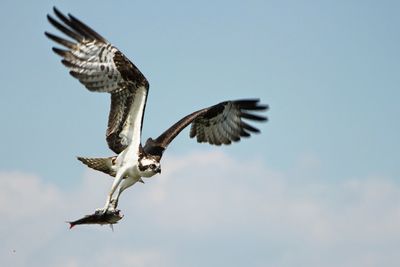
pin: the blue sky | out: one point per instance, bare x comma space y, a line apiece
317, 179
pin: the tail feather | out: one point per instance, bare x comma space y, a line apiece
100, 164
103, 165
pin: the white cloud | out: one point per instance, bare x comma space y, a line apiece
234, 211
19, 192
127, 258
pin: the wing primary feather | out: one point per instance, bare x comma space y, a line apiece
75, 74
252, 116
60, 40
259, 107
67, 55
68, 22
250, 104
60, 52
64, 29
60, 15
249, 127
89, 31
247, 102
79, 26
244, 133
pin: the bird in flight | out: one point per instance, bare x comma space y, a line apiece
101, 67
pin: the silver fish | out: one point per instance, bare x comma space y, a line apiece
98, 217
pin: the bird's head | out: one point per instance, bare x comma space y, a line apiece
149, 165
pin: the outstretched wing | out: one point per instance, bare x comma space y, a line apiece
219, 124
101, 67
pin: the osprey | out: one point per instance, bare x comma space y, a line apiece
101, 67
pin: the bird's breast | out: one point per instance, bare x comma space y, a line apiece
129, 162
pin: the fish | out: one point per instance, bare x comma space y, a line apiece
98, 217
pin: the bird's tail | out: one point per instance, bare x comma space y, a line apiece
100, 164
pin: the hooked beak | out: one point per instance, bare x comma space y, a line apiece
158, 170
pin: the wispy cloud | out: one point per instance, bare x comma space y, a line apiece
235, 212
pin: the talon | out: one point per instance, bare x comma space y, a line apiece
100, 211
105, 209
114, 204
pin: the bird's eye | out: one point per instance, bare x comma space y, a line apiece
152, 166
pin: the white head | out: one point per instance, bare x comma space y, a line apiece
149, 165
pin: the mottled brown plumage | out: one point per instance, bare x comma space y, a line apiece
100, 67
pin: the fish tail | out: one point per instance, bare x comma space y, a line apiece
71, 224
100, 164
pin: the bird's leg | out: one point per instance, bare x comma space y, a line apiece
117, 181
114, 202
129, 181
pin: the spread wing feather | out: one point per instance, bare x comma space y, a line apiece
222, 123
100, 67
